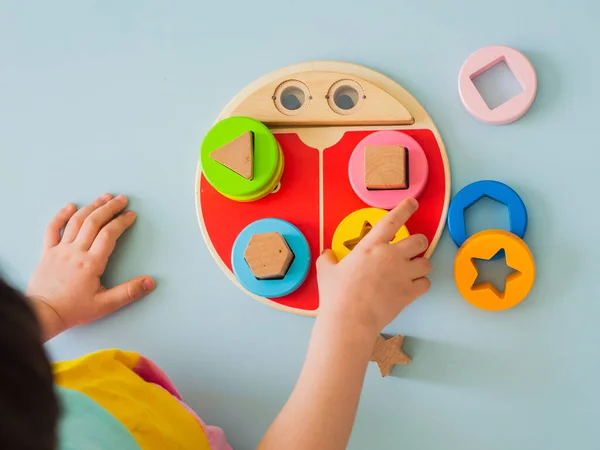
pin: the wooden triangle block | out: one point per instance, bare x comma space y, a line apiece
237, 155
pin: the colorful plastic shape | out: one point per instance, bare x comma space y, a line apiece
355, 226
418, 169
295, 274
485, 245
482, 60
267, 164
470, 194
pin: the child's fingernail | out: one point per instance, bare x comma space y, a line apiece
148, 284
105, 197
130, 213
120, 197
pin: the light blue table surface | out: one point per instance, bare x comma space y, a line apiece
117, 96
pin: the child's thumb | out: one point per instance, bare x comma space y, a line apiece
326, 260
123, 294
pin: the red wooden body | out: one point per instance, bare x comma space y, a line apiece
298, 201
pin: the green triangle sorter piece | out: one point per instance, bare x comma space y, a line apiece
241, 159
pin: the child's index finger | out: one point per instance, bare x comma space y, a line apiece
385, 230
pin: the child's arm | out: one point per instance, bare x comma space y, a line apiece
359, 297
65, 288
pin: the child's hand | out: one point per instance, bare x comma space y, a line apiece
65, 287
371, 285
359, 296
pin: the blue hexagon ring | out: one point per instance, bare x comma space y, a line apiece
287, 256
469, 195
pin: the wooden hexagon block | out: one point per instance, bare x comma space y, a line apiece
268, 255
386, 167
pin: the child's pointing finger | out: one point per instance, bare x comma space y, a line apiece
385, 230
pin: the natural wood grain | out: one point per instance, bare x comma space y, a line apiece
374, 106
386, 167
268, 255
388, 352
237, 155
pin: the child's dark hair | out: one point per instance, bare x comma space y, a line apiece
28, 405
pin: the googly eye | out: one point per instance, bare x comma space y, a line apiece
292, 97
345, 97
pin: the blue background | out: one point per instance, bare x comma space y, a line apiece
116, 96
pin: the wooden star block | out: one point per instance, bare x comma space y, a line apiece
388, 352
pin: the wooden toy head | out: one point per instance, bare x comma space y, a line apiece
318, 98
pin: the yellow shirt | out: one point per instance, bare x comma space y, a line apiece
117, 387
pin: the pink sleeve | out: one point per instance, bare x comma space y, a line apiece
151, 373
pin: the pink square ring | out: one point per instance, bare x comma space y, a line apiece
482, 60
418, 169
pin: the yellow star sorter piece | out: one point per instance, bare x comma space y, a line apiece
351, 243
359, 222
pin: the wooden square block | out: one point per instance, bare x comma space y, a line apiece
386, 167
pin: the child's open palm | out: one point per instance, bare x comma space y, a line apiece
65, 287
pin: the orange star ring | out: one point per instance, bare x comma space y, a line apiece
484, 245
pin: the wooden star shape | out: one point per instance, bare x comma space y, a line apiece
388, 352
351, 243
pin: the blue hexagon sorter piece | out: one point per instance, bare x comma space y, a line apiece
469, 195
297, 271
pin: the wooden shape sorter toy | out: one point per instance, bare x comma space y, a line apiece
311, 124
